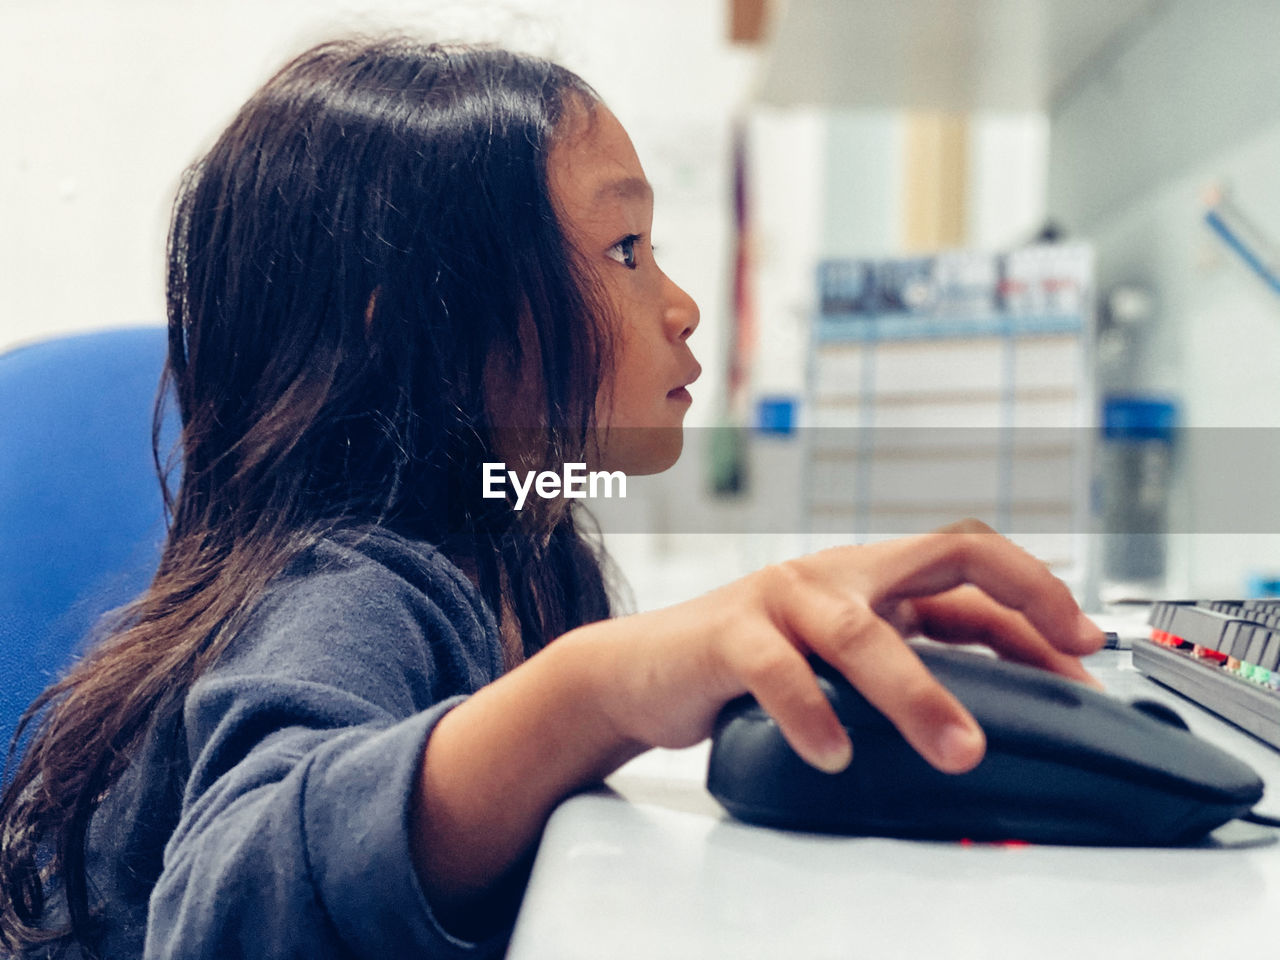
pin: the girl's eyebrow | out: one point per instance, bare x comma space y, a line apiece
630, 188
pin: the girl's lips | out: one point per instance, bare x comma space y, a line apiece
680, 394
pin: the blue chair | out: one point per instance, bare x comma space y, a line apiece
81, 516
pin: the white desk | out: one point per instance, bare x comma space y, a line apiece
654, 869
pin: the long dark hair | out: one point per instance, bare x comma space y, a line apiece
366, 250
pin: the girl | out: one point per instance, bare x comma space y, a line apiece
337, 720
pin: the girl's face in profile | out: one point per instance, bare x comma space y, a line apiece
606, 208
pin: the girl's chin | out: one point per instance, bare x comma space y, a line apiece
638, 451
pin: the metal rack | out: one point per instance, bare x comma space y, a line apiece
949, 405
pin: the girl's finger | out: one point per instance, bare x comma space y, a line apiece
873, 657
785, 686
967, 615
937, 562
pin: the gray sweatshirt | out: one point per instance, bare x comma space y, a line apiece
267, 812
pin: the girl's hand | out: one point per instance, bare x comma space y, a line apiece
498, 763
670, 671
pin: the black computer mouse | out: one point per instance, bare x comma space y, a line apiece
1064, 764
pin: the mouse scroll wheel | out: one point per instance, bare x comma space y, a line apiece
1158, 711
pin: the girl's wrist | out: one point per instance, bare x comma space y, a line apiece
588, 664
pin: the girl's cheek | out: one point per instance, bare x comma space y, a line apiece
648, 289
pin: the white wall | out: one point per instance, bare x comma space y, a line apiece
1008, 177
105, 102
1192, 101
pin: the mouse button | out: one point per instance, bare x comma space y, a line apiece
1183, 763
1111, 737
1020, 713
1159, 711
982, 677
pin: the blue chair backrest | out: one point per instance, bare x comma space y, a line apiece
81, 516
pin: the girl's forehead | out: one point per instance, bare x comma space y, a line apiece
594, 164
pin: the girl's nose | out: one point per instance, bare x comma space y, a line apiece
681, 314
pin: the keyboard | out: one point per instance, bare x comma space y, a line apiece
1222, 654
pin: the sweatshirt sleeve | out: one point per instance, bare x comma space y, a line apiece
305, 743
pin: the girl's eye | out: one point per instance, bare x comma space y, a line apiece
624, 251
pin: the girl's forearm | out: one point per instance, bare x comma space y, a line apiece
497, 765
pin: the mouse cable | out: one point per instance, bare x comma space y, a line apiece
1254, 817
